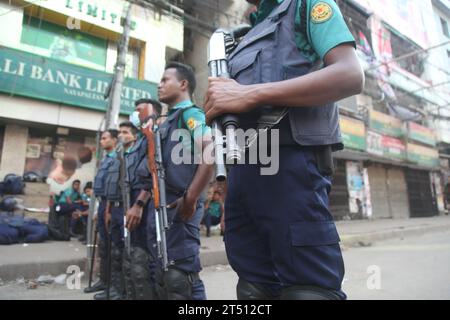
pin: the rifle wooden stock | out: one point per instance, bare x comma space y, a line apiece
156, 168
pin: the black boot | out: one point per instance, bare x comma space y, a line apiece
101, 283
64, 225
117, 287
308, 293
141, 275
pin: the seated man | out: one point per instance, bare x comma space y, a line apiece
213, 212
80, 215
69, 201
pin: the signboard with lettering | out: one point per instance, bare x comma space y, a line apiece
29, 75
353, 133
385, 124
393, 148
423, 155
374, 143
104, 13
421, 134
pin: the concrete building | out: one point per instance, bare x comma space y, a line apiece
395, 162
394, 165
56, 62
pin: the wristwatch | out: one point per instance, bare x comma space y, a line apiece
140, 203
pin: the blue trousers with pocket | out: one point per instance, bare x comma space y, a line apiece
278, 229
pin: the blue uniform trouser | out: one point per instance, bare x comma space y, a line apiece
8, 234
139, 236
101, 219
279, 231
183, 243
210, 220
117, 225
34, 232
72, 208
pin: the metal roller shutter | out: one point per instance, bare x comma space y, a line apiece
420, 195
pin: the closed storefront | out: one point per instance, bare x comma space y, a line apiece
388, 192
420, 194
379, 192
397, 193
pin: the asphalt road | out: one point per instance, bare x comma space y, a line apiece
410, 268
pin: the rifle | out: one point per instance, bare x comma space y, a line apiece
125, 193
108, 268
220, 45
155, 164
91, 269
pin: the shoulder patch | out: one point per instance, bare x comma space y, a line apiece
191, 123
321, 12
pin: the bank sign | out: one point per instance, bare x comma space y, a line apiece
29, 75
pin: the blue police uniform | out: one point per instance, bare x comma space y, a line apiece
140, 266
114, 196
99, 188
183, 237
100, 191
136, 157
280, 236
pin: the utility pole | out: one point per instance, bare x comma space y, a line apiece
112, 114
111, 120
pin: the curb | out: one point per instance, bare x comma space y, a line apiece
210, 257
30, 271
362, 240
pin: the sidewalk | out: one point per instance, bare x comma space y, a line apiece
30, 261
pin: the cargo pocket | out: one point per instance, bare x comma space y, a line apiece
316, 255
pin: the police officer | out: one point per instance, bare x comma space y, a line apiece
280, 236
108, 143
139, 267
114, 213
185, 183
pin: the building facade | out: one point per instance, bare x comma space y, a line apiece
57, 59
395, 159
395, 162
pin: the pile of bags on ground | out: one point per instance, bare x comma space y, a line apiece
16, 228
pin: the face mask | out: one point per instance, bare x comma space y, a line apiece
134, 119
